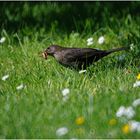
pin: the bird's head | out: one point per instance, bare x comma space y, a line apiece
51, 50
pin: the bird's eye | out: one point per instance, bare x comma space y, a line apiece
48, 48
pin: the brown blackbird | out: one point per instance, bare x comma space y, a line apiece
77, 57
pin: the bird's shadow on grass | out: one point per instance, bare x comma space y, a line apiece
106, 66
101, 65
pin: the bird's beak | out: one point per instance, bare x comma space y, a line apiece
43, 54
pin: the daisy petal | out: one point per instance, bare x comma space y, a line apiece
101, 40
5, 77
61, 131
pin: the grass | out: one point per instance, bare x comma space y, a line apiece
38, 110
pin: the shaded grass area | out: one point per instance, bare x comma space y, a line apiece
38, 110
66, 16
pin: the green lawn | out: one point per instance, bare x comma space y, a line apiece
38, 109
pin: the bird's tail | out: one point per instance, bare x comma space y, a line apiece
117, 49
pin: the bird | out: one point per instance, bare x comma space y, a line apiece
79, 58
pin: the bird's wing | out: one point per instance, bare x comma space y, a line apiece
81, 53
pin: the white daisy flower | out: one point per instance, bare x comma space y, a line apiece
132, 46
136, 84
5, 77
120, 111
65, 92
127, 112
2, 40
101, 40
20, 87
136, 102
61, 131
82, 71
134, 125
89, 41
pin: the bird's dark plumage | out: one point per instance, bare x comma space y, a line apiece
77, 57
